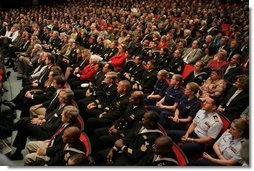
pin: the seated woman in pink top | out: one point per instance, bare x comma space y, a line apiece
214, 85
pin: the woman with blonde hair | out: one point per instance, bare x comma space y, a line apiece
227, 149
83, 56
219, 60
187, 107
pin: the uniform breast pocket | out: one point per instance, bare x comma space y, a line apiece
207, 125
231, 151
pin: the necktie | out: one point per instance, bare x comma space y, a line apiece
82, 63
185, 59
25, 44
57, 133
56, 95
43, 74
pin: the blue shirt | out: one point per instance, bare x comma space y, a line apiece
160, 87
188, 107
172, 95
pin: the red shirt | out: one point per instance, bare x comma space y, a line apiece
87, 72
118, 60
220, 65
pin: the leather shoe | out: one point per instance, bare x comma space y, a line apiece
16, 156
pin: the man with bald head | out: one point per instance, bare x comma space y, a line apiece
130, 118
161, 154
108, 114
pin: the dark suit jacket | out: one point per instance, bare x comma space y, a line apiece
237, 105
138, 144
45, 95
117, 107
168, 159
230, 76
130, 118
52, 103
53, 120
43, 77
58, 141
148, 79
57, 159
232, 52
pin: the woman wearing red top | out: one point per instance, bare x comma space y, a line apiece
163, 42
118, 59
86, 74
219, 61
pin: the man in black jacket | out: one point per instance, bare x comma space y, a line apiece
43, 129
161, 154
134, 145
106, 115
52, 150
96, 107
130, 118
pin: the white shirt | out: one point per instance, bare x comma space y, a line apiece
207, 124
12, 35
230, 147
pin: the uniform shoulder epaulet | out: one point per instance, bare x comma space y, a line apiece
215, 117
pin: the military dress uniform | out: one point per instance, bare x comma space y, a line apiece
152, 55
136, 144
197, 78
108, 53
96, 84
147, 81
162, 61
53, 44
135, 73
102, 99
206, 125
97, 48
151, 159
228, 146
106, 115
176, 66
131, 118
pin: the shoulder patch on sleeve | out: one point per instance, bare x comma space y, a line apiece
216, 119
143, 148
129, 150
